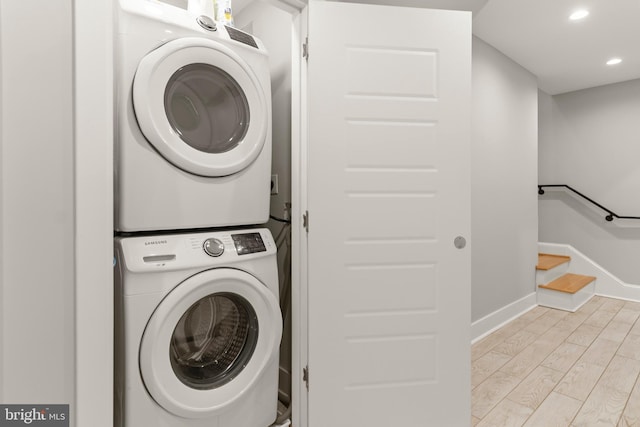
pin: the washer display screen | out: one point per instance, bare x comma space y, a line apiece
248, 243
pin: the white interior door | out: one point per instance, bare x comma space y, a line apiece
388, 193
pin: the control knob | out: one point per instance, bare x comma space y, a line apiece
213, 247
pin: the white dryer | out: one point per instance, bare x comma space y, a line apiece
198, 328
193, 127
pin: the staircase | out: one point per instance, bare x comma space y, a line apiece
559, 288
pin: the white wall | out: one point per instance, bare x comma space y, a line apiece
273, 27
37, 200
590, 141
504, 178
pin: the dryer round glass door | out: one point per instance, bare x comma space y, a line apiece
208, 342
207, 108
201, 106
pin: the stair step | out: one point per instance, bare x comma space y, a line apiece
569, 283
549, 261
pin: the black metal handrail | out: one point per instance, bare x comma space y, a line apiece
611, 215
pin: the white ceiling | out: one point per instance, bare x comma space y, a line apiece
565, 55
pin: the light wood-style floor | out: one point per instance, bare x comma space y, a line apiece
554, 368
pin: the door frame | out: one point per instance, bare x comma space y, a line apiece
298, 9
299, 270
93, 187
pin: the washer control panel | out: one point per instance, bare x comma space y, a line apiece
204, 249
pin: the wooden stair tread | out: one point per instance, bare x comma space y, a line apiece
548, 261
569, 283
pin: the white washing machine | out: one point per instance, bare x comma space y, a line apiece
193, 125
198, 329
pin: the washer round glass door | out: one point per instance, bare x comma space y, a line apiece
214, 340
208, 341
201, 106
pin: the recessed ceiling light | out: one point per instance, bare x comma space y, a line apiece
579, 14
614, 61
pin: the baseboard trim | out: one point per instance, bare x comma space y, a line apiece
489, 323
607, 284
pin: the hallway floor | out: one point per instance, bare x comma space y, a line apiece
554, 368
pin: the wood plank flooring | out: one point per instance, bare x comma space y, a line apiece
554, 368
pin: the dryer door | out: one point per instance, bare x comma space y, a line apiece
201, 106
208, 341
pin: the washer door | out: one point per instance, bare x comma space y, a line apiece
201, 106
209, 341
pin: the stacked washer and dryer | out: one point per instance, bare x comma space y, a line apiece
198, 323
